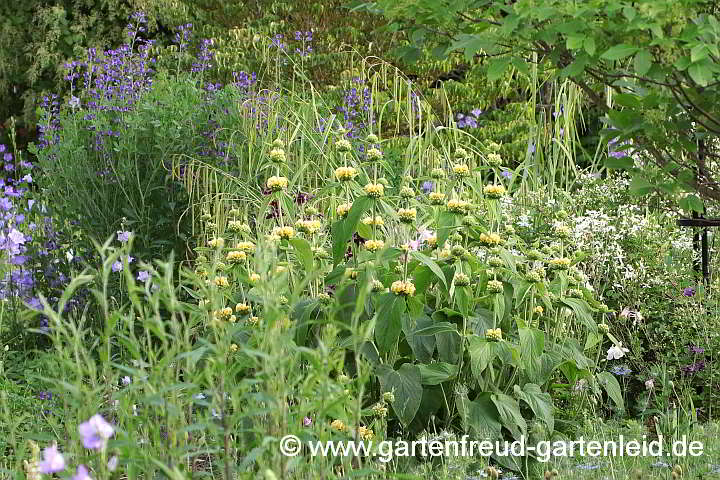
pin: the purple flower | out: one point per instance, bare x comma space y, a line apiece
95, 432
126, 380
123, 236
307, 421
476, 112
143, 276
693, 367
428, 186
695, 349
112, 463
506, 174
117, 266
16, 237
689, 291
531, 148
53, 460
82, 473
622, 371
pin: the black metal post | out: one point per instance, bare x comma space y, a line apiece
705, 257
696, 247
705, 254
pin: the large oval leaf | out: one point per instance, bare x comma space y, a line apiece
405, 385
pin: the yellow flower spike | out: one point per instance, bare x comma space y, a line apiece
345, 174
374, 245
375, 190
338, 425
495, 286
490, 239
343, 145
374, 154
285, 233
277, 155
343, 209
277, 184
309, 227
365, 433
494, 191
216, 242
236, 256
247, 247
400, 287
461, 170
458, 206
242, 308
559, 263
494, 334
436, 198
378, 221
407, 215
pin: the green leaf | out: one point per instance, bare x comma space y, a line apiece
639, 186
431, 264
343, 230
497, 68
303, 252
423, 346
440, 327
642, 62
481, 355
406, 385
539, 402
484, 418
449, 346
499, 306
388, 321
520, 65
446, 223
510, 415
612, 387
437, 373
532, 343
700, 73
699, 52
471, 44
463, 298
692, 203
573, 42
582, 312
618, 52
621, 163
589, 45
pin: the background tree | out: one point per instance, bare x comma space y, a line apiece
652, 67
